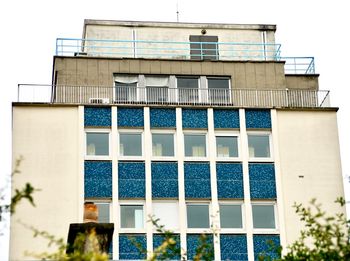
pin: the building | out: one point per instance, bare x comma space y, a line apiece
200, 125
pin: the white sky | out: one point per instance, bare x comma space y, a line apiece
304, 28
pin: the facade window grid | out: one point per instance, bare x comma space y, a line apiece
256, 133
231, 230
270, 230
130, 203
195, 152
223, 156
91, 150
156, 156
121, 150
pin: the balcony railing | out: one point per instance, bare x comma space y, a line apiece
252, 98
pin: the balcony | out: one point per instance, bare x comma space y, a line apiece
121, 95
223, 51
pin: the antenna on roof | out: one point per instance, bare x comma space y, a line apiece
177, 10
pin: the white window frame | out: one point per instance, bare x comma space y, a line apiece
199, 230
164, 158
132, 230
229, 134
261, 159
218, 77
233, 230
131, 131
266, 230
194, 158
176, 230
98, 157
190, 77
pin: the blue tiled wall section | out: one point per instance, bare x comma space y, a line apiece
98, 179
194, 119
158, 239
262, 181
193, 242
127, 250
226, 119
229, 180
164, 180
258, 119
233, 247
163, 118
130, 117
97, 116
197, 180
131, 182
262, 245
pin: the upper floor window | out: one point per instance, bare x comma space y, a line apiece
259, 145
204, 47
97, 144
198, 216
131, 216
126, 87
195, 145
188, 89
263, 216
157, 88
130, 144
231, 216
226, 146
219, 90
162, 144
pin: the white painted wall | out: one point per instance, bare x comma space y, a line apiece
309, 163
47, 138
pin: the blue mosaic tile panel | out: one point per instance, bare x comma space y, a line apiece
262, 181
164, 180
233, 247
192, 243
226, 119
127, 250
130, 117
163, 118
131, 180
194, 119
262, 246
158, 239
229, 180
97, 117
98, 179
258, 119
197, 180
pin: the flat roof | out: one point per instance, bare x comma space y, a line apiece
264, 27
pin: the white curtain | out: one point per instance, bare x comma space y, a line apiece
126, 78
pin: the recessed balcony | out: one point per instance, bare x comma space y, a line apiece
122, 95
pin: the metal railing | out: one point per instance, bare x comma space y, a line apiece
252, 98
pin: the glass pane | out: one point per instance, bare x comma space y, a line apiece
130, 144
97, 144
263, 216
163, 145
226, 147
218, 83
195, 145
197, 216
125, 91
103, 212
131, 216
259, 146
188, 89
231, 216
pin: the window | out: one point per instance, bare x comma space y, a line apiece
187, 89
197, 216
125, 87
259, 145
162, 145
157, 88
131, 216
97, 144
103, 212
230, 216
130, 144
226, 146
195, 145
204, 47
264, 216
167, 213
219, 90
